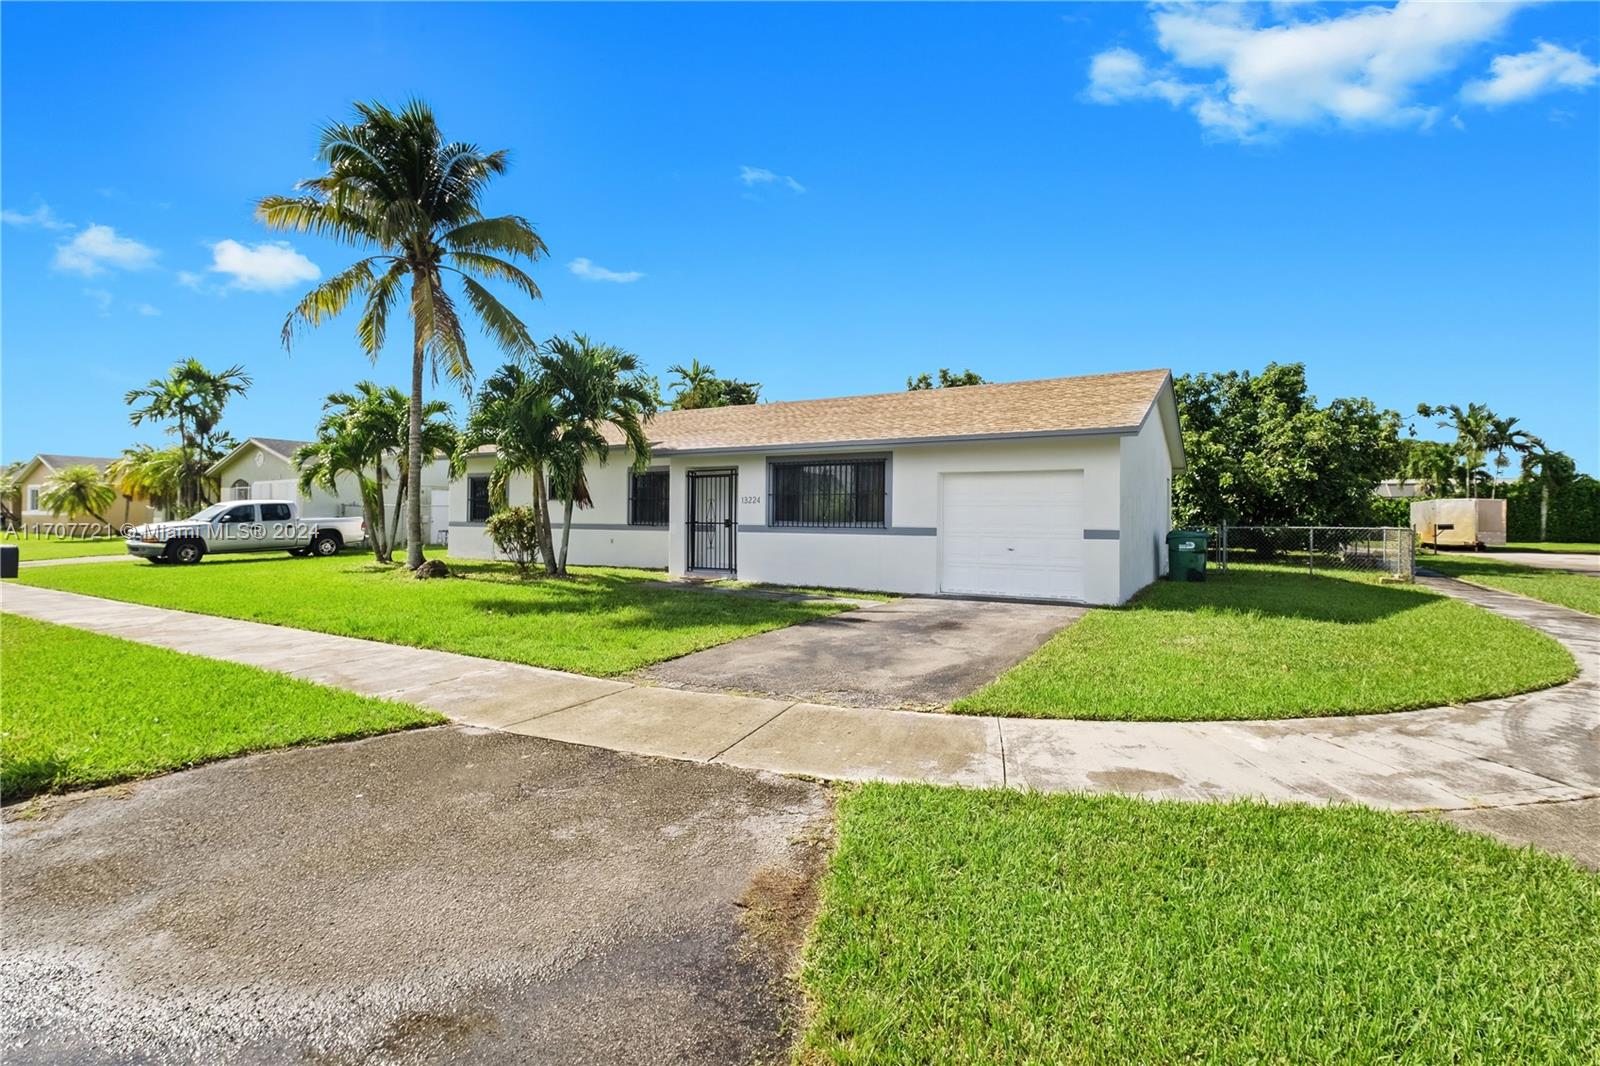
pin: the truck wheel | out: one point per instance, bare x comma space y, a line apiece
186, 552
325, 544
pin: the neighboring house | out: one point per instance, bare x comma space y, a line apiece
1055, 489
262, 468
41, 468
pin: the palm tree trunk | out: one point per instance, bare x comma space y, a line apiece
1544, 509
399, 503
414, 453
541, 507
381, 544
566, 535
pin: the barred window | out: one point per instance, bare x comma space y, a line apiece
647, 498
850, 493
478, 498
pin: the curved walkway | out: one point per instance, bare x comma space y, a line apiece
1535, 748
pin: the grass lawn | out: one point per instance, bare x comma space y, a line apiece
1255, 642
1581, 592
603, 622
1549, 546
83, 709
31, 548
960, 926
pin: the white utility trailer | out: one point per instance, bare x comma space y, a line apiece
1459, 523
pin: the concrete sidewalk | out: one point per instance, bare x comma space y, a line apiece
1535, 748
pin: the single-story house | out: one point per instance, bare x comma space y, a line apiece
1056, 489
31, 479
263, 468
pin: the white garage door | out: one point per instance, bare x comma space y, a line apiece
1010, 534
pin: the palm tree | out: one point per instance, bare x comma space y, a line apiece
193, 398
1505, 437
1474, 430
593, 386
515, 414
394, 184
697, 385
10, 495
343, 447
1550, 470
81, 489
154, 474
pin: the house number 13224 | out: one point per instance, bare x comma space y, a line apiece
749, 499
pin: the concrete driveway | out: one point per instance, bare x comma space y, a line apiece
445, 895
1576, 562
914, 653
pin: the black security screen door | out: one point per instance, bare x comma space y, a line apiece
711, 525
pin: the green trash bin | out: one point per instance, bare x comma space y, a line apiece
1186, 554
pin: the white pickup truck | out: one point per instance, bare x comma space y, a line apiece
241, 526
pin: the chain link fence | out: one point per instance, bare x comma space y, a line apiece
1389, 550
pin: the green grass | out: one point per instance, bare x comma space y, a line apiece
603, 622
31, 548
83, 709
1581, 592
1549, 546
1001, 927
1255, 642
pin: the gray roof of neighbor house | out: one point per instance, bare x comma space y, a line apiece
281, 446
1097, 403
61, 462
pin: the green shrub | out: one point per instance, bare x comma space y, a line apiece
1574, 513
515, 532
1390, 512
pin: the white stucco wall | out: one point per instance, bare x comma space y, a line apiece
601, 535
1125, 506
1146, 500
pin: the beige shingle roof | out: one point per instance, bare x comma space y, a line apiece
1096, 403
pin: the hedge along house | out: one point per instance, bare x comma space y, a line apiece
1054, 489
263, 468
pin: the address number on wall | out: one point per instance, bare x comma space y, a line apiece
749, 499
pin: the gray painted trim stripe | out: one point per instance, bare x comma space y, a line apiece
892, 531
578, 525
1102, 534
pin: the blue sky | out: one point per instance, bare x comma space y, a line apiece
828, 198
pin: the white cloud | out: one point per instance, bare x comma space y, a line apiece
189, 279
590, 271
265, 267
40, 216
97, 247
753, 176
147, 311
102, 301
1245, 72
1513, 78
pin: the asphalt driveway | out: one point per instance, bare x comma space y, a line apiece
441, 895
914, 653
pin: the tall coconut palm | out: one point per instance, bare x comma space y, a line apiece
513, 412
594, 386
1504, 436
1474, 430
393, 184
81, 489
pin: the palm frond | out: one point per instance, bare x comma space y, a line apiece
330, 298
506, 233
506, 328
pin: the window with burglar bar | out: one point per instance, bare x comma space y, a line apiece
851, 492
478, 498
647, 498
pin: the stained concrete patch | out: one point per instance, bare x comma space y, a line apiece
666, 722
912, 653
1571, 828
850, 744
439, 895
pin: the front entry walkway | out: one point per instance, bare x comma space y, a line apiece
1534, 748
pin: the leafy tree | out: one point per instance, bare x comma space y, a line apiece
10, 494
699, 386
193, 399
514, 413
515, 532
81, 489
1474, 428
592, 386
1262, 452
947, 380
394, 183
1551, 471
1431, 463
